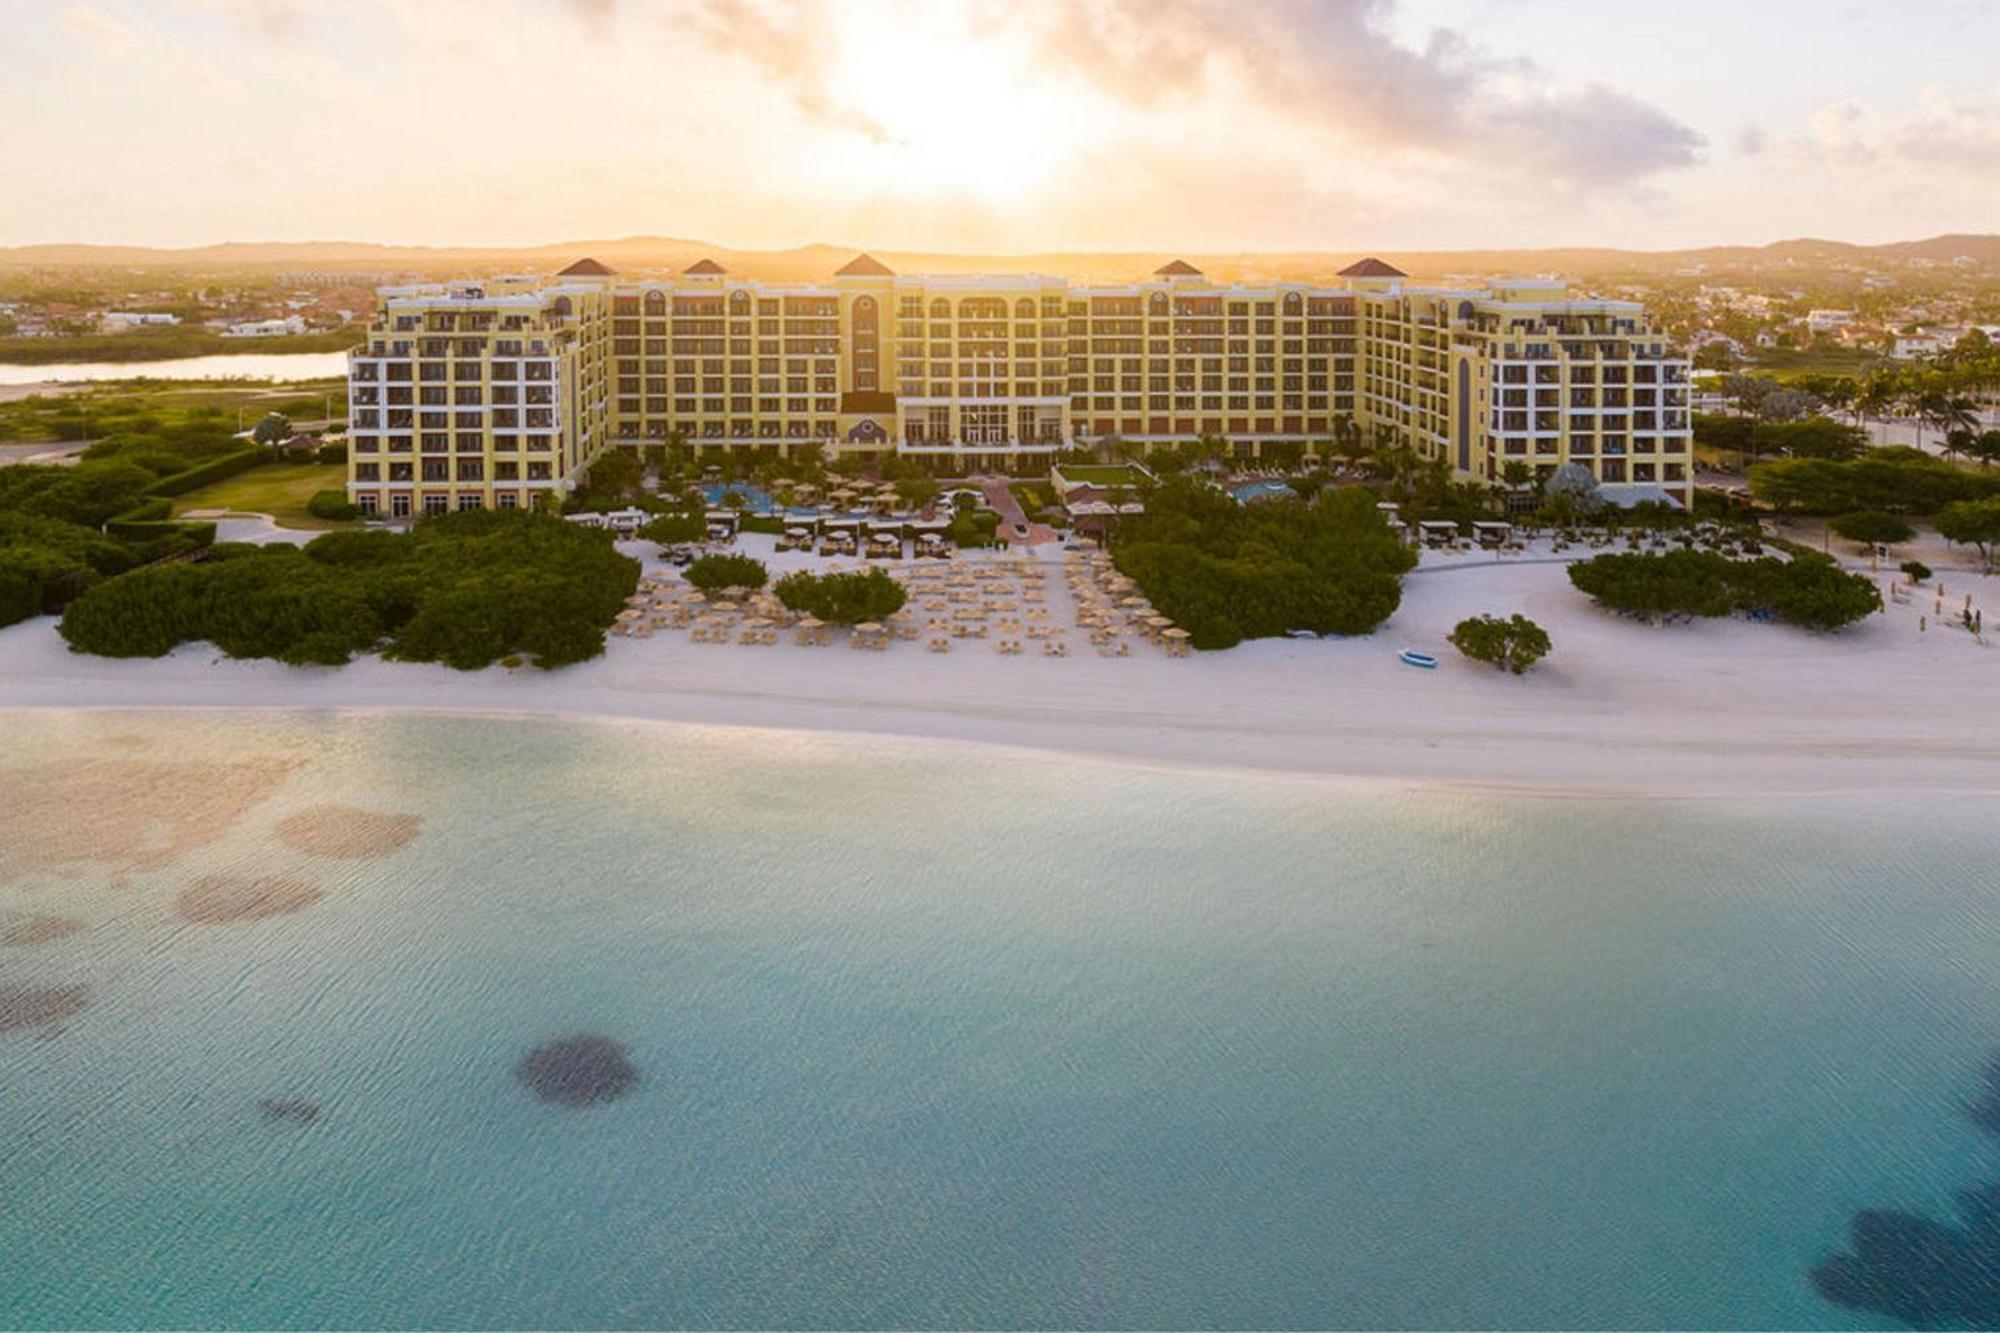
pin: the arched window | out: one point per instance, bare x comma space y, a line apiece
1157, 304
1465, 310
562, 307
1293, 303
656, 302
739, 302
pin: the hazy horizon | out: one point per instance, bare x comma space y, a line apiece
1206, 126
722, 245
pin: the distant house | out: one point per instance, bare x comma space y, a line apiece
118, 321
1910, 346
266, 328
1826, 321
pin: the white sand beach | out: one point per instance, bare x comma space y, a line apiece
1618, 708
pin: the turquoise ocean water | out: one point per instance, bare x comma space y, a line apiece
941, 1035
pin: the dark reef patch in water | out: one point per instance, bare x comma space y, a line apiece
1927, 1274
578, 1071
293, 1110
31, 930
218, 899
31, 1006
1985, 1108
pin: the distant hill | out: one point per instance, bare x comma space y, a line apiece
640, 254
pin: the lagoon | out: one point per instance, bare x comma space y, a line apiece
929, 1033
278, 366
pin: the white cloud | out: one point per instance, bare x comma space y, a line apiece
1940, 130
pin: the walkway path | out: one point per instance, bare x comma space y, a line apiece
1015, 529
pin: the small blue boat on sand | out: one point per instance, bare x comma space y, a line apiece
1411, 657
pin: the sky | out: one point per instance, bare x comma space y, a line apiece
999, 126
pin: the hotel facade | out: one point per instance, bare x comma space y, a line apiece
496, 393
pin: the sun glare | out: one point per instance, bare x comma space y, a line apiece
954, 115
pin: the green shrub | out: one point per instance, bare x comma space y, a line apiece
22, 574
1513, 644
330, 453
86, 494
711, 573
149, 510
1917, 570
198, 533
228, 465
76, 544
331, 505
673, 529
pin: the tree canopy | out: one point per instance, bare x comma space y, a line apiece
1894, 480
1873, 526
1814, 593
1972, 523
1513, 644
843, 599
712, 573
465, 589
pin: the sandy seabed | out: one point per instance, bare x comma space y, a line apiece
1619, 707
348, 833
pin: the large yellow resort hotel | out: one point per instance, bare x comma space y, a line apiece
494, 393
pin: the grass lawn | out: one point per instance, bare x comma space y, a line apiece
1035, 496
1101, 474
278, 489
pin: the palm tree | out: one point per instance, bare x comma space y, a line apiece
1878, 391
1936, 404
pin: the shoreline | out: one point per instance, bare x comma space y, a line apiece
1026, 751
1619, 709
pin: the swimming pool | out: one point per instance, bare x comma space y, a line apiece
1260, 490
759, 500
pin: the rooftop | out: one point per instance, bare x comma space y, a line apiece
864, 266
1372, 268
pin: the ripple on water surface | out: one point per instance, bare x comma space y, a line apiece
961, 1036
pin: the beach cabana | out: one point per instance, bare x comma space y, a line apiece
1437, 531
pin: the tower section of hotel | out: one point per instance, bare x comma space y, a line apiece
1178, 357
480, 394
1517, 371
